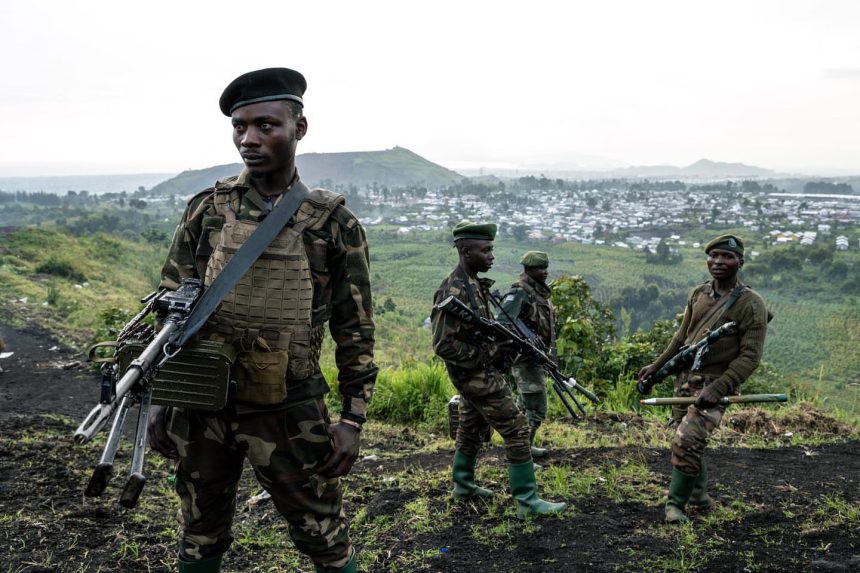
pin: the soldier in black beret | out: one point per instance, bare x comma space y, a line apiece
475, 369
314, 273
727, 364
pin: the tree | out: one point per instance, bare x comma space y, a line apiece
519, 232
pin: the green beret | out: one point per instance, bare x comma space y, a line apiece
726, 243
469, 230
270, 84
537, 259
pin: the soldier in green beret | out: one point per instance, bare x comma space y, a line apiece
527, 302
476, 370
315, 273
727, 364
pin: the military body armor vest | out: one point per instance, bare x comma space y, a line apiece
267, 314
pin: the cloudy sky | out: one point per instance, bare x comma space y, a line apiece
117, 87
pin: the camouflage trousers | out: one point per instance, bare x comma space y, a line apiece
486, 400
694, 426
531, 386
284, 448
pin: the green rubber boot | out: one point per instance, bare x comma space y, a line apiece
208, 565
679, 493
463, 472
700, 498
524, 490
536, 451
350, 567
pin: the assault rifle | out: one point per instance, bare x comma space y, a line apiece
135, 386
689, 357
494, 331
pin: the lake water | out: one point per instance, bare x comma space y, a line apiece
95, 184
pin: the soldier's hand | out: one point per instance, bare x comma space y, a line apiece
708, 398
345, 440
503, 355
157, 433
645, 373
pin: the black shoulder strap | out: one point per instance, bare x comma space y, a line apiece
470, 289
239, 264
721, 309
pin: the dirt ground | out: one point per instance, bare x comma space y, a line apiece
47, 525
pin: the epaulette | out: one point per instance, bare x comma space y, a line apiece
196, 195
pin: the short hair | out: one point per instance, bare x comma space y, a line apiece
294, 107
464, 245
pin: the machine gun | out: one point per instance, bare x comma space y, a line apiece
494, 331
690, 356
135, 385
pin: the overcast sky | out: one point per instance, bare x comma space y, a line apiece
119, 87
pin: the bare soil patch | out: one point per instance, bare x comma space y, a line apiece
47, 525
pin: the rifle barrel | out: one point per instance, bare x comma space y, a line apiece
744, 399
98, 416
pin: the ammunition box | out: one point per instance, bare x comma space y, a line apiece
197, 377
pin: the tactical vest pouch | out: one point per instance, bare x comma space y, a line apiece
197, 377
261, 377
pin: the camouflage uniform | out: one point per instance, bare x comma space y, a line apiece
528, 300
728, 363
284, 441
485, 396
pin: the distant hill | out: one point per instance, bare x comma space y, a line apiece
391, 167
703, 168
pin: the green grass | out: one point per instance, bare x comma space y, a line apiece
811, 342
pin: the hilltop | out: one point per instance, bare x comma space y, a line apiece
390, 167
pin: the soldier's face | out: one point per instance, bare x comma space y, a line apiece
723, 264
266, 134
538, 274
479, 256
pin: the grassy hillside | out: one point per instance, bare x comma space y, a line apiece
69, 282
391, 167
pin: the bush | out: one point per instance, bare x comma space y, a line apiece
60, 268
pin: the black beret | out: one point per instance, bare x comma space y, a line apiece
270, 84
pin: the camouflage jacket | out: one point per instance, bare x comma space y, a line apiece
338, 258
529, 301
453, 341
733, 358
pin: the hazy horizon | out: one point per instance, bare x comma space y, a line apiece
101, 87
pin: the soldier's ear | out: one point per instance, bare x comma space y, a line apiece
301, 127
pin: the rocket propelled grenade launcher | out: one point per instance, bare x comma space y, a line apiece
494, 331
689, 357
744, 399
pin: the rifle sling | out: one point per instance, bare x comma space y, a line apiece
239, 264
711, 318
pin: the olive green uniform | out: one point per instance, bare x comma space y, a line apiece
485, 396
528, 300
727, 364
276, 417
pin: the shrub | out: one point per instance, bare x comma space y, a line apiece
60, 268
